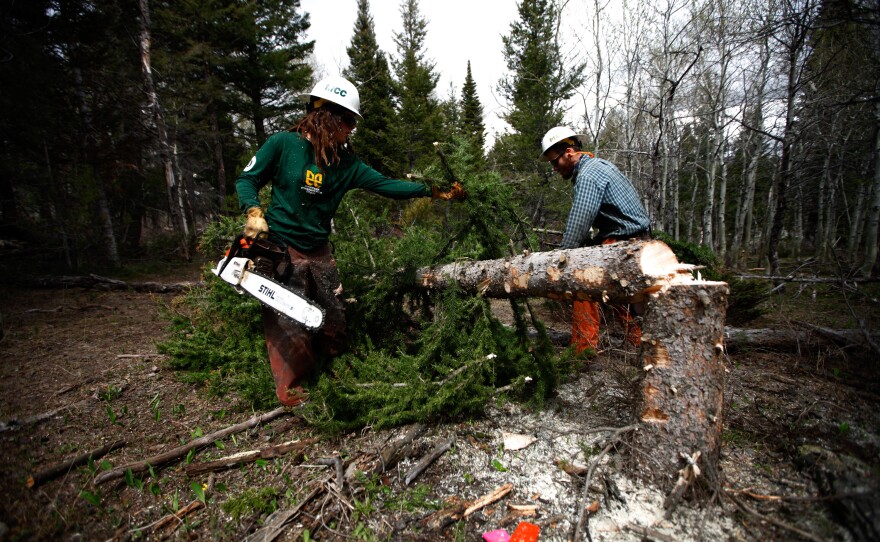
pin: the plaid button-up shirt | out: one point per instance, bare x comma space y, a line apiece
604, 199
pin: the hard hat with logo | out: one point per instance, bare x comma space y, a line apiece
335, 89
557, 134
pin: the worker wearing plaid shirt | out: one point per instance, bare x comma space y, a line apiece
604, 199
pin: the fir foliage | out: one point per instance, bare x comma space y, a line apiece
414, 355
471, 122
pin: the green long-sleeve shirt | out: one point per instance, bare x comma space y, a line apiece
305, 198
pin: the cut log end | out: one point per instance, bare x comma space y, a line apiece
658, 260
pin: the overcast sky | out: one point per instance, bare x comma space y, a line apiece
458, 31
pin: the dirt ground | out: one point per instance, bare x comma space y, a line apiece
800, 458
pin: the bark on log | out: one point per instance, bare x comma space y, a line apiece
682, 393
621, 272
179, 452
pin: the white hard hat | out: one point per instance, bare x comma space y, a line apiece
560, 133
338, 90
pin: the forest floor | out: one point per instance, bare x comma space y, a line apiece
800, 456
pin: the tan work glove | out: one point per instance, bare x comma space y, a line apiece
256, 226
456, 193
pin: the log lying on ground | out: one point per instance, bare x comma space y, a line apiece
620, 272
97, 282
181, 451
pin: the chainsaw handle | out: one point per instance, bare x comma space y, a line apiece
239, 244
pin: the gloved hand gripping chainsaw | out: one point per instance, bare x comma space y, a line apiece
249, 266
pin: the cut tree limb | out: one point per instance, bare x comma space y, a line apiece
64, 467
178, 453
250, 456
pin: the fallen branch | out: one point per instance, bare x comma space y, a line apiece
181, 451
428, 459
16, 422
337, 464
64, 467
488, 499
393, 453
457, 508
249, 456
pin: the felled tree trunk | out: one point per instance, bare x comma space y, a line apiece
620, 272
681, 395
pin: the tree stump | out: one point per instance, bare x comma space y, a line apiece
682, 393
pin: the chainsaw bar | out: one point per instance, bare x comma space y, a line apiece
236, 271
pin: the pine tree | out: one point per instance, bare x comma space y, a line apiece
368, 70
471, 120
270, 65
537, 87
195, 41
419, 120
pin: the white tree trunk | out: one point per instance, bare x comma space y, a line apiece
175, 196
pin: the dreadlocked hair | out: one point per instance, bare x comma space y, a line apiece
322, 125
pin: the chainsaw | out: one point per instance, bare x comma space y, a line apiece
239, 269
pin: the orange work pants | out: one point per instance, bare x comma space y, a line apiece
586, 319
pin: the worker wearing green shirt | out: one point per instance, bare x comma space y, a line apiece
311, 167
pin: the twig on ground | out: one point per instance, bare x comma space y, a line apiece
429, 458
249, 456
277, 522
36, 418
582, 509
781, 524
487, 499
176, 519
335, 462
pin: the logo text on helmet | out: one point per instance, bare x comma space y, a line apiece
336, 90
